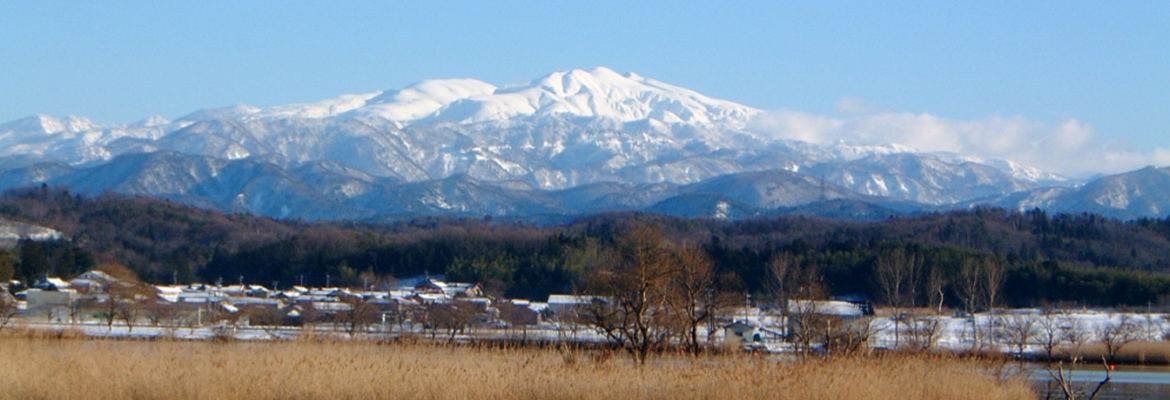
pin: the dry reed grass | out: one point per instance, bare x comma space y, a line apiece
1140, 352
108, 369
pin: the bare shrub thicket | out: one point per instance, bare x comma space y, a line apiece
850, 337
1053, 330
798, 287
359, 313
1116, 333
651, 293
1017, 331
632, 308
923, 331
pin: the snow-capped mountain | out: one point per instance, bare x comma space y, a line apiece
566, 143
594, 93
1143, 193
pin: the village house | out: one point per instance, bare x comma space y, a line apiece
566, 304
741, 333
449, 289
47, 303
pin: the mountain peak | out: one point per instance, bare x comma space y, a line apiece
238, 111
598, 93
48, 125
422, 99
575, 81
151, 121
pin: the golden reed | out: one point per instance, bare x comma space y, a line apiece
69, 368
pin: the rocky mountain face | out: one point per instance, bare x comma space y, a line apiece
569, 143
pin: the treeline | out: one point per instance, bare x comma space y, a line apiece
1081, 259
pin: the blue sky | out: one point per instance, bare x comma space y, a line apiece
1103, 67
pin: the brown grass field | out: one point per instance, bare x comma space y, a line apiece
1139, 353
70, 368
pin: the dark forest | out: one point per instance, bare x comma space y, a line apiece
1081, 259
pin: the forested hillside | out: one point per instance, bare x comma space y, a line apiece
1043, 258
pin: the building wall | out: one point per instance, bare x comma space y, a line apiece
41, 303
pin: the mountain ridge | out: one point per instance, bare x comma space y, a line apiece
465, 146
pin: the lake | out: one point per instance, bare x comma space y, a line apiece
1128, 382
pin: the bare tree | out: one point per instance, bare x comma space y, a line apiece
129, 300
1077, 335
782, 269
935, 284
970, 285
455, 317
517, 317
807, 324
994, 274
724, 297
1051, 332
692, 296
1062, 379
924, 331
897, 274
358, 316
849, 336
1018, 331
124, 300
267, 318
159, 312
805, 286
633, 312
1116, 333
8, 308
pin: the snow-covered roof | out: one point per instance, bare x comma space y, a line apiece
568, 299
400, 294
331, 306
826, 307
538, 307
409, 283
97, 276
169, 289
742, 324
170, 298
78, 282
241, 301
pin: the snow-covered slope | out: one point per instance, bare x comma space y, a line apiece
568, 142
600, 93
14, 231
593, 93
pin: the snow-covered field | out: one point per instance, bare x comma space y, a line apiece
1005, 331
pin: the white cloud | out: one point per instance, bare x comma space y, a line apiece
798, 126
1070, 147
